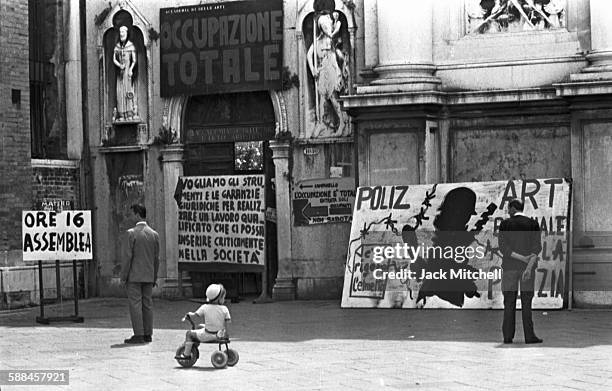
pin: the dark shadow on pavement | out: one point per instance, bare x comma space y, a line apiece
126, 345
200, 369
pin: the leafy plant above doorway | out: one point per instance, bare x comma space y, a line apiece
166, 136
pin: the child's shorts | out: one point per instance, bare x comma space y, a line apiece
207, 336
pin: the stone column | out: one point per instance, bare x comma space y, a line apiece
370, 38
600, 56
405, 46
284, 287
74, 114
370, 33
172, 158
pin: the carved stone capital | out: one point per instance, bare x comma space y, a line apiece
280, 149
173, 153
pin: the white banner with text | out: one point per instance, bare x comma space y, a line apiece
436, 246
221, 219
51, 236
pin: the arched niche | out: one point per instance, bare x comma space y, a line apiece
174, 113
316, 123
124, 14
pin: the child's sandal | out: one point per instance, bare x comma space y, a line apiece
182, 357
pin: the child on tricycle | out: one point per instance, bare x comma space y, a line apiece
214, 330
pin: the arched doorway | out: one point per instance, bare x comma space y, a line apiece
228, 134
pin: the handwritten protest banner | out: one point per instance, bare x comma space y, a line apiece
221, 219
399, 233
51, 236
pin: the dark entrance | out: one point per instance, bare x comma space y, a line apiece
228, 134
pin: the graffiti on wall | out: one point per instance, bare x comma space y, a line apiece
127, 187
435, 246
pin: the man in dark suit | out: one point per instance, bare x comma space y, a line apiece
139, 273
520, 244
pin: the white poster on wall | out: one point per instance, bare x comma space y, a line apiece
221, 219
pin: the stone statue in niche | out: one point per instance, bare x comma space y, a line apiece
124, 58
491, 16
328, 60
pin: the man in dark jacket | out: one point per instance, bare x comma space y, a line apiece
139, 273
520, 244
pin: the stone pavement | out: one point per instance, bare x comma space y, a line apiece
316, 345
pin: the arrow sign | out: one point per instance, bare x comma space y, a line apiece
310, 211
323, 201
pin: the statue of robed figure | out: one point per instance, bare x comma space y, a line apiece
124, 58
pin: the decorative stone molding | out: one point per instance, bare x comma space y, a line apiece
493, 16
280, 112
173, 153
172, 114
280, 149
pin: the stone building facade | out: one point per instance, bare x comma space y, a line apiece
141, 160
42, 135
463, 91
372, 92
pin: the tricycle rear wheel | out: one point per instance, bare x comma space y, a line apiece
219, 359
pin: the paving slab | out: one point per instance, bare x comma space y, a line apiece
315, 345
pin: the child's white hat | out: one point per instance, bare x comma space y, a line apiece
213, 292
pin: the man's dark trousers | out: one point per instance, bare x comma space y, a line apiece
140, 297
510, 287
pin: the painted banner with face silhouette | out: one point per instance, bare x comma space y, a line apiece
436, 246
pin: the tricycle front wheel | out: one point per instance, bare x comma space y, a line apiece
187, 363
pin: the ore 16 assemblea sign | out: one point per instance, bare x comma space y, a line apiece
50, 235
223, 47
